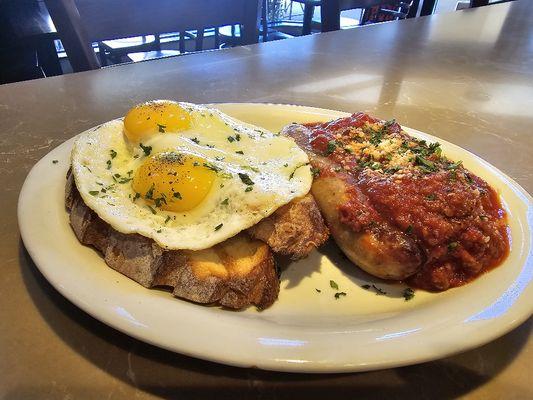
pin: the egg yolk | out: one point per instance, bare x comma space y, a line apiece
173, 182
155, 117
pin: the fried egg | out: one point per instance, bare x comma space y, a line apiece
187, 176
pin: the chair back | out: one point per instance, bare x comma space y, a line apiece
81, 22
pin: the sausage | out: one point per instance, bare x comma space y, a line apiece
369, 241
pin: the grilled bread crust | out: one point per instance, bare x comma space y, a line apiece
236, 273
293, 230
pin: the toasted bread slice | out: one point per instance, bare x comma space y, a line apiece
293, 230
235, 273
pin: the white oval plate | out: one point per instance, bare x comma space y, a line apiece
304, 331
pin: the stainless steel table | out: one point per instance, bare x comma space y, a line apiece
466, 77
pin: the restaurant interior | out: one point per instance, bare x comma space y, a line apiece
266, 199
42, 38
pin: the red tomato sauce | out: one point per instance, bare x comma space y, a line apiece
454, 217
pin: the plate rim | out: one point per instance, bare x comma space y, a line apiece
284, 365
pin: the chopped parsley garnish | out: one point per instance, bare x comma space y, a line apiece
435, 148
147, 149
212, 167
246, 179
237, 137
318, 290
108, 162
195, 140
218, 227
159, 201
375, 165
124, 180
409, 229
453, 166
167, 219
392, 170
293, 172
177, 195
137, 195
376, 137
231, 139
94, 192
315, 172
333, 285
240, 152
55, 161
348, 150
250, 168
249, 189
379, 292
332, 145
408, 294
452, 246
161, 128
150, 193
112, 153
285, 165
424, 164
469, 179
339, 294
151, 210
158, 231
225, 202
431, 197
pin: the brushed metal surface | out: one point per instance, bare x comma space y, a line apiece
466, 77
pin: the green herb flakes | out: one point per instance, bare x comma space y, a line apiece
408, 294
332, 145
212, 167
333, 285
147, 149
151, 210
246, 179
94, 192
218, 227
452, 246
338, 295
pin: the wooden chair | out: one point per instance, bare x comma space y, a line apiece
331, 9
82, 22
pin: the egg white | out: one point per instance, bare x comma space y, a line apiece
104, 162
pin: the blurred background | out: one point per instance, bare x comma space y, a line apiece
41, 38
